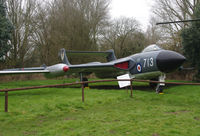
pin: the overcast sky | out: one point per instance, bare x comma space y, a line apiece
138, 9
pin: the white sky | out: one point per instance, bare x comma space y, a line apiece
138, 9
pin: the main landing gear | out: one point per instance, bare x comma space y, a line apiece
159, 86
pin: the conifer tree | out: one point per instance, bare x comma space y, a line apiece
191, 42
5, 31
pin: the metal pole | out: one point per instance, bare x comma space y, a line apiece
6, 101
131, 89
180, 21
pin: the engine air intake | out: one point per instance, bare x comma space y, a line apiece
123, 65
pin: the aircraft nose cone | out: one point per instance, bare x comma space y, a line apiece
65, 68
168, 61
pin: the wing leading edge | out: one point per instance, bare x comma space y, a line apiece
24, 71
50, 71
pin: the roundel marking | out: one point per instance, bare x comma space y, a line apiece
139, 68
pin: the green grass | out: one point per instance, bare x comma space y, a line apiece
60, 112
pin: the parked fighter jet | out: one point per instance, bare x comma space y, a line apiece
152, 63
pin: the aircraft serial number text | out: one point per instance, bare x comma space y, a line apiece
148, 62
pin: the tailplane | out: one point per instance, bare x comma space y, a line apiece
63, 56
109, 54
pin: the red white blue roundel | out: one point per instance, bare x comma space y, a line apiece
139, 68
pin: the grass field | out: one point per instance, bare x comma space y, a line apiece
60, 112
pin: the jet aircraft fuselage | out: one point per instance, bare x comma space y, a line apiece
150, 63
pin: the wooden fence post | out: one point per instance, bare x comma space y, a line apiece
82, 92
6, 101
131, 88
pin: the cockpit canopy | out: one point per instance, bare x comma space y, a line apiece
152, 47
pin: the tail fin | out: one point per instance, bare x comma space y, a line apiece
111, 56
63, 56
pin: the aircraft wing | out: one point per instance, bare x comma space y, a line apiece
103, 70
111, 69
50, 71
24, 71
91, 67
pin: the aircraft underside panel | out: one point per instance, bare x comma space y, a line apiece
148, 75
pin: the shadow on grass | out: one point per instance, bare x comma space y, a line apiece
29, 92
108, 87
146, 88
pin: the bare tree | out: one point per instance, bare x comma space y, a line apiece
96, 14
70, 24
171, 10
21, 14
42, 36
123, 36
153, 32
